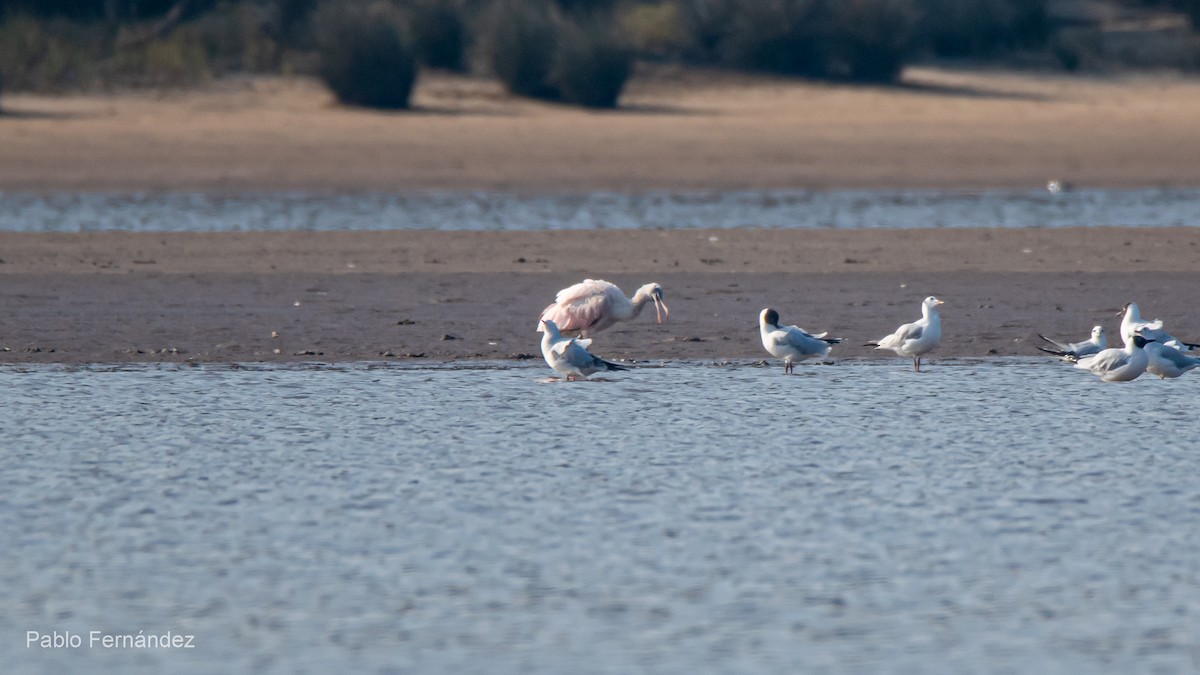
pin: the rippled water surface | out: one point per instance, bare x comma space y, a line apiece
998, 516
184, 212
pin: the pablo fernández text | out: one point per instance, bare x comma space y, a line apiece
97, 639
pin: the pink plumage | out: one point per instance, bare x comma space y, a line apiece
592, 305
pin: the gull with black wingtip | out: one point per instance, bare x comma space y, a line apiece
791, 343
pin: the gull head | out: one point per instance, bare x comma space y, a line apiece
1097, 332
1129, 307
551, 328
655, 293
932, 302
768, 317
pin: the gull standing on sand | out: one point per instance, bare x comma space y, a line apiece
592, 305
570, 356
1117, 365
1097, 343
1132, 322
1168, 361
918, 338
791, 343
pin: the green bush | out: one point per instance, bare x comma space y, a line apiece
591, 64
871, 39
50, 55
865, 40
958, 28
293, 21
706, 26
653, 30
536, 50
365, 57
1192, 9
440, 33
240, 38
176, 60
782, 36
521, 46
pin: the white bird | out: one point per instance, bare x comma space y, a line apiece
1097, 343
918, 338
592, 305
1117, 365
1168, 361
791, 343
1132, 322
569, 356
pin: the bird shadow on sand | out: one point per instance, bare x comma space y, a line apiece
6, 114
962, 91
653, 109
427, 110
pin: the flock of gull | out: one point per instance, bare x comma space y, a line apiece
592, 305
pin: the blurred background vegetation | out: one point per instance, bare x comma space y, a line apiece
576, 51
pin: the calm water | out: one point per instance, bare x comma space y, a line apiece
1000, 516
180, 212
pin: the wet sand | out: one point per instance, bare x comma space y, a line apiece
329, 296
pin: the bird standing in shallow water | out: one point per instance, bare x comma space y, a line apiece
791, 343
569, 356
918, 338
592, 305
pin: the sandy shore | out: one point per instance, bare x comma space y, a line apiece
117, 297
679, 129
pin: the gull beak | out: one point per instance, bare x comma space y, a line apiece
941, 302
660, 309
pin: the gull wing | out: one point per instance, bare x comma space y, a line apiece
562, 347
1177, 357
909, 331
1105, 361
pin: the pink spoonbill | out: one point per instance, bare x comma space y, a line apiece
592, 305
